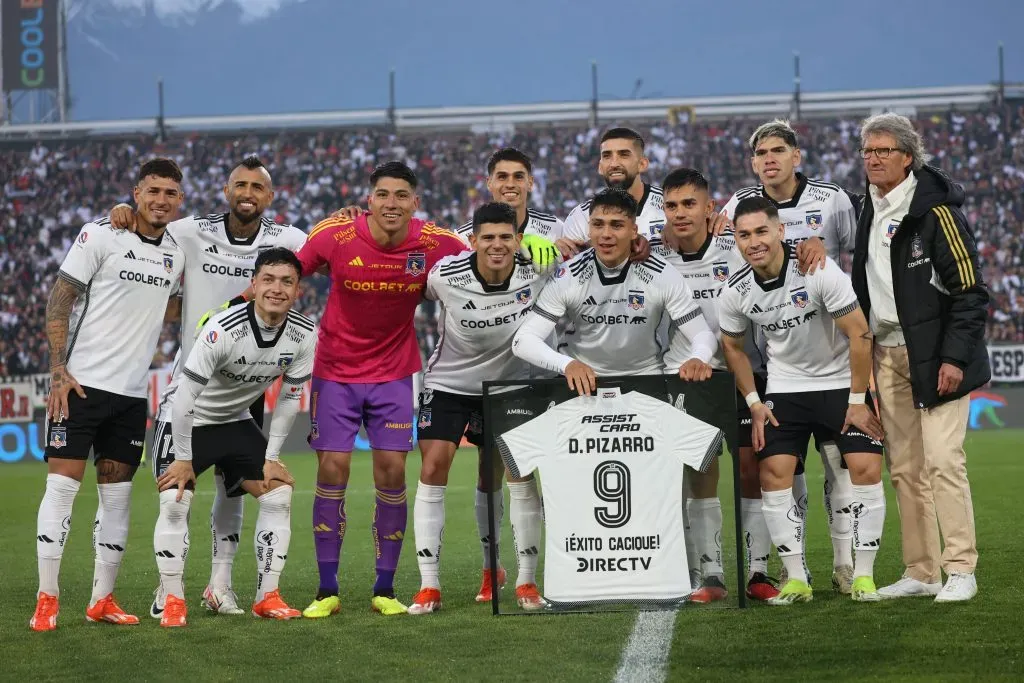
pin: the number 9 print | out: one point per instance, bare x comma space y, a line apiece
611, 484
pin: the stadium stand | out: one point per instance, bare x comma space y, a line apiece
52, 187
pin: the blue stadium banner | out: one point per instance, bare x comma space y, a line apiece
29, 41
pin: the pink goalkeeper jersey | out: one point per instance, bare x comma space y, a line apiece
366, 332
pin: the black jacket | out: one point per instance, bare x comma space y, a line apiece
941, 300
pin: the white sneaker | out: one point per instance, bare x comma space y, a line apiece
156, 610
909, 587
958, 588
221, 600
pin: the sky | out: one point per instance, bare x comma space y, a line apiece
273, 56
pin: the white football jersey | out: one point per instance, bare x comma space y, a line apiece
236, 364
219, 267
611, 468
616, 313
115, 324
817, 209
536, 223
650, 218
706, 273
806, 351
476, 324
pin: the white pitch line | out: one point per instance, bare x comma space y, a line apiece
645, 657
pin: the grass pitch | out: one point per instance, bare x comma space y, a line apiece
830, 638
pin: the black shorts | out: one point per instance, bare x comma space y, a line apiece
238, 449
162, 448
111, 425
743, 412
445, 416
813, 413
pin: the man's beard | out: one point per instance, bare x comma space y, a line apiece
243, 218
624, 184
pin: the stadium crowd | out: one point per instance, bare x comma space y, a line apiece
51, 188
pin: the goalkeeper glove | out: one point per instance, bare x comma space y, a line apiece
541, 251
214, 311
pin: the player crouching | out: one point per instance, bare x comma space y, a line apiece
819, 347
239, 354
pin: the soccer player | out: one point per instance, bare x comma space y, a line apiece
706, 262
112, 291
819, 218
240, 352
484, 297
817, 383
364, 365
621, 163
616, 306
510, 180
221, 251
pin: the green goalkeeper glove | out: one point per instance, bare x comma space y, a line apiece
214, 311
541, 251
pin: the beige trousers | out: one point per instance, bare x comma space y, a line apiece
924, 450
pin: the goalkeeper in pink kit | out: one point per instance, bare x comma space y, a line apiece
362, 375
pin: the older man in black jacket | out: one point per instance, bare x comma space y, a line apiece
916, 274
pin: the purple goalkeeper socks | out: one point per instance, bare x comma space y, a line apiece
390, 515
328, 533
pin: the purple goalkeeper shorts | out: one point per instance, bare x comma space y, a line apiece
337, 410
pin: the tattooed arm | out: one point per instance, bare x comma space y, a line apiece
58, 313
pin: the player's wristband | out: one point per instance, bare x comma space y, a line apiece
751, 399
857, 399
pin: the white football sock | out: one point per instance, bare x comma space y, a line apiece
273, 535
526, 515
53, 524
226, 530
759, 541
483, 529
800, 498
428, 527
785, 526
110, 536
170, 541
706, 525
838, 497
868, 522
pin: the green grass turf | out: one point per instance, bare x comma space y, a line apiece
830, 638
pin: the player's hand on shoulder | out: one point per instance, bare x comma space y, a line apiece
122, 217
695, 370
569, 248
760, 415
348, 212
811, 255
61, 384
581, 378
863, 418
640, 249
178, 475
720, 223
275, 470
